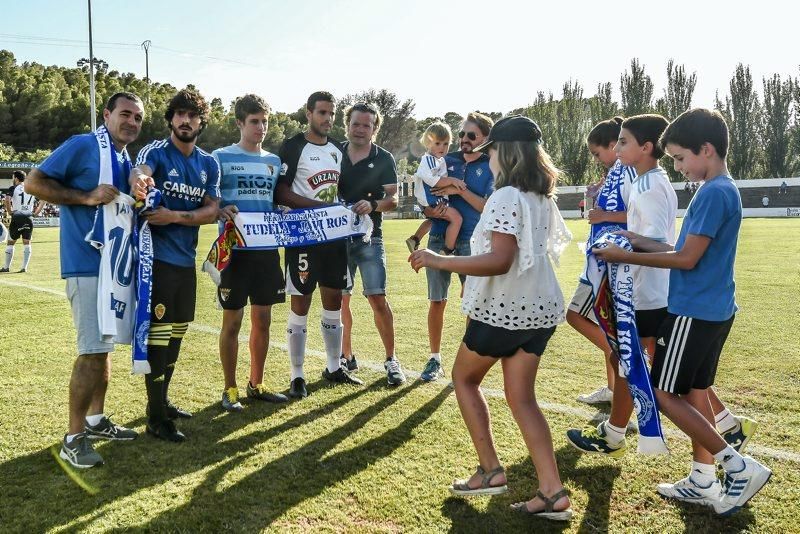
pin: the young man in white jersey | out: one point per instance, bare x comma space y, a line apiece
21, 207
311, 164
248, 177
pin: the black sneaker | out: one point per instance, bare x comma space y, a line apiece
341, 376
351, 364
108, 429
165, 430
260, 392
297, 388
174, 412
80, 453
3, 269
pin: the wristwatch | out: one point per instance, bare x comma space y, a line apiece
374, 205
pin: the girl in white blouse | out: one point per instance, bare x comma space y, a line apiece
514, 303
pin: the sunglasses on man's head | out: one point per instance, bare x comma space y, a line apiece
470, 135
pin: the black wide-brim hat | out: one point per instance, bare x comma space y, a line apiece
512, 128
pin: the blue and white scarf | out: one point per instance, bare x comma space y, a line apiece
610, 199
274, 229
612, 292
143, 241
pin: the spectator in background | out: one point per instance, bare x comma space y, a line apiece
784, 188
765, 201
582, 206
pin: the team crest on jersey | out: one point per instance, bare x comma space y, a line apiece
371, 165
159, 311
284, 169
479, 172
335, 157
203, 176
271, 169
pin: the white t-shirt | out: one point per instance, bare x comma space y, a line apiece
528, 295
652, 209
430, 170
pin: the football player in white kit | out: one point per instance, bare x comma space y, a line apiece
21, 207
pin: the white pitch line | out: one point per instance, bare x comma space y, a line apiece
758, 450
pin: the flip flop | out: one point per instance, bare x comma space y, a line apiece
548, 512
461, 487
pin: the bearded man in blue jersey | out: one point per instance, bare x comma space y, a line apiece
188, 179
87, 171
248, 178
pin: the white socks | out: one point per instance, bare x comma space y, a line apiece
94, 420
724, 420
331, 327
9, 255
26, 256
730, 459
296, 340
614, 434
703, 474
437, 356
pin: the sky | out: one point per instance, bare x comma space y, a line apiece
446, 56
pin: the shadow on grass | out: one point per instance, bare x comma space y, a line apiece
259, 498
38, 496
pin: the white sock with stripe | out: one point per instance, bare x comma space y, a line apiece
724, 420
296, 341
702, 474
730, 460
331, 327
9, 255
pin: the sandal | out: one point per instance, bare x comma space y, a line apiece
548, 512
461, 487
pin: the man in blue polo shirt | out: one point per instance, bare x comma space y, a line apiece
473, 168
74, 178
188, 179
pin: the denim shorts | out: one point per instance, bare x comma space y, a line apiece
82, 295
439, 281
370, 260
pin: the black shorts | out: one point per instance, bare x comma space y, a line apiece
649, 321
173, 295
253, 274
21, 226
324, 264
497, 342
687, 353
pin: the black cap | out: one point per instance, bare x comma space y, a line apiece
512, 128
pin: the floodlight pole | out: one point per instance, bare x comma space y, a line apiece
91, 72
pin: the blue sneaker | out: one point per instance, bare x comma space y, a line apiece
593, 440
738, 436
433, 371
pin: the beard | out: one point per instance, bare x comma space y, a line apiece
184, 136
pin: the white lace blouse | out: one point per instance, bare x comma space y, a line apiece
528, 295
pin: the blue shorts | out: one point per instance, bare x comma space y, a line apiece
439, 281
370, 260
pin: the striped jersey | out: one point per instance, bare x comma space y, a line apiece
111, 235
247, 179
21, 202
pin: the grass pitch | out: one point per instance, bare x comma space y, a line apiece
375, 459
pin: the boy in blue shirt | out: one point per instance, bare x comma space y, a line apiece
701, 309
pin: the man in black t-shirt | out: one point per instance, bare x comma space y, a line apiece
369, 182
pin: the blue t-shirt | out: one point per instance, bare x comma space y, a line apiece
76, 164
183, 182
707, 291
479, 180
247, 178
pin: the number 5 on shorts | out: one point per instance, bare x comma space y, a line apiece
302, 262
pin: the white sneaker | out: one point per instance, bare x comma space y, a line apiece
741, 486
687, 490
602, 395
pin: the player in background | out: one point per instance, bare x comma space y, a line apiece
21, 207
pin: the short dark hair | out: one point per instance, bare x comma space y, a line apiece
605, 133
483, 122
112, 102
364, 107
647, 128
693, 128
191, 100
250, 104
319, 96
19, 175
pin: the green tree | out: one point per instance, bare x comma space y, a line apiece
742, 111
602, 105
678, 93
572, 126
637, 90
777, 118
398, 125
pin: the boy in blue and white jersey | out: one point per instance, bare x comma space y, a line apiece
701, 307
248, 178
188, 179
